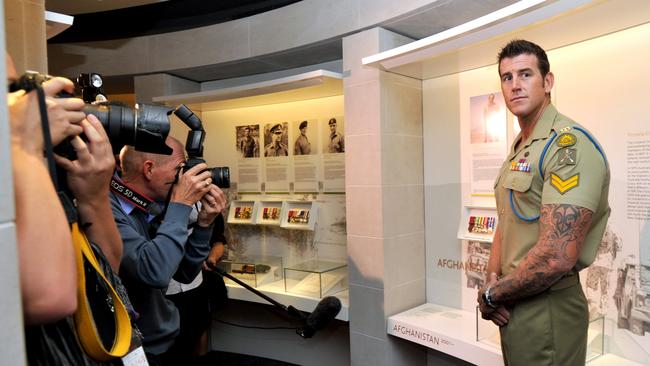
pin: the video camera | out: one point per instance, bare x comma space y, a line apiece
145, 127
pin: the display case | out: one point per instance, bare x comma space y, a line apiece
253, 270
300, 215
269, 213
316, 278
242, 212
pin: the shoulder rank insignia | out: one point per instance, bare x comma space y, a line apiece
567, 156
566, 139
564, 185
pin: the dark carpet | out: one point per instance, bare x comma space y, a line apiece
217, 358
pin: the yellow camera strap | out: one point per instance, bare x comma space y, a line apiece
86, 328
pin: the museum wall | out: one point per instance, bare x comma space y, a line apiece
602, 84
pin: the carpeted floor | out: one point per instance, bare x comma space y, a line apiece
216, 358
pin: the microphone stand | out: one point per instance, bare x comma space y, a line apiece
293, 312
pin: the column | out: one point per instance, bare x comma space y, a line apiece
385, 200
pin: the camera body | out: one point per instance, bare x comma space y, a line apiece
144, 127
194, 146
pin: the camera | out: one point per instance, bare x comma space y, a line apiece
144, 127
194, 146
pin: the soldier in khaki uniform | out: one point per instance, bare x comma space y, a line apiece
302, 145
336, 143
276, 147
552, 205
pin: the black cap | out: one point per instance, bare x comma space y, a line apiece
332, 121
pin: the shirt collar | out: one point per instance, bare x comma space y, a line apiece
128, 207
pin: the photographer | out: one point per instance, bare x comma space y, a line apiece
154, 255
47, 257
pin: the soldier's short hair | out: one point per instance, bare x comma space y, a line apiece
332, 121
303, 124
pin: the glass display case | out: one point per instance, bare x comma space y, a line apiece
316, 278
255, 271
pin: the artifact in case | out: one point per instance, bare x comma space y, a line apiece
242, 212
255, 271
301, 215
269, 213
316, 278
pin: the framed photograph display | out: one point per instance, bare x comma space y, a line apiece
242, 212
269, 213
300, 215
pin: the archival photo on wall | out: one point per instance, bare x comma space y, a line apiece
333, 138
304, 151
488, 142
276, 139
248, 137
333, 155
277, 175
247, 145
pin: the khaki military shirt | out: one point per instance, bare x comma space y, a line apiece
303, 146
336, 144
276, 150
573, 172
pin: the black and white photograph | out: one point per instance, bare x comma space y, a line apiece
247, 138
276, 139
334, 141
304, 142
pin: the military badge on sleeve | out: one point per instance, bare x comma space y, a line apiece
566, 139
567, 157
564, 185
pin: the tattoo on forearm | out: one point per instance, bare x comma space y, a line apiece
562, 230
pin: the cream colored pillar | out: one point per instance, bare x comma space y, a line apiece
385, 200
25, 34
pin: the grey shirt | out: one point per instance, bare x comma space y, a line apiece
149, 263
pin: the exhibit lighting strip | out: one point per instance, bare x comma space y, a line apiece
465, 28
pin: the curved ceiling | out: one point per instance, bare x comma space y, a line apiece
104, 20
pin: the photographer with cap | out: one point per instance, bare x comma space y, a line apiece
276, 147
153, 254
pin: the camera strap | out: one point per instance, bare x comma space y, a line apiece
136, 198
90, 333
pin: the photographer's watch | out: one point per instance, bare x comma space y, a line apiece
487, 299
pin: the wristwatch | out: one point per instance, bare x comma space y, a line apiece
487, 299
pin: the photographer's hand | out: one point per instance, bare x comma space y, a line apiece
212, 204
89, 180
192, 185
64, 114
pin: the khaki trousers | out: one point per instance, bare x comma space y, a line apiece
548, 329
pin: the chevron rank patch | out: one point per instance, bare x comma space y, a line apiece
566, 139
564, 185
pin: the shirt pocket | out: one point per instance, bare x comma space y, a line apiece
518, 181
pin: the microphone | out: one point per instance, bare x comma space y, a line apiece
326, 310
